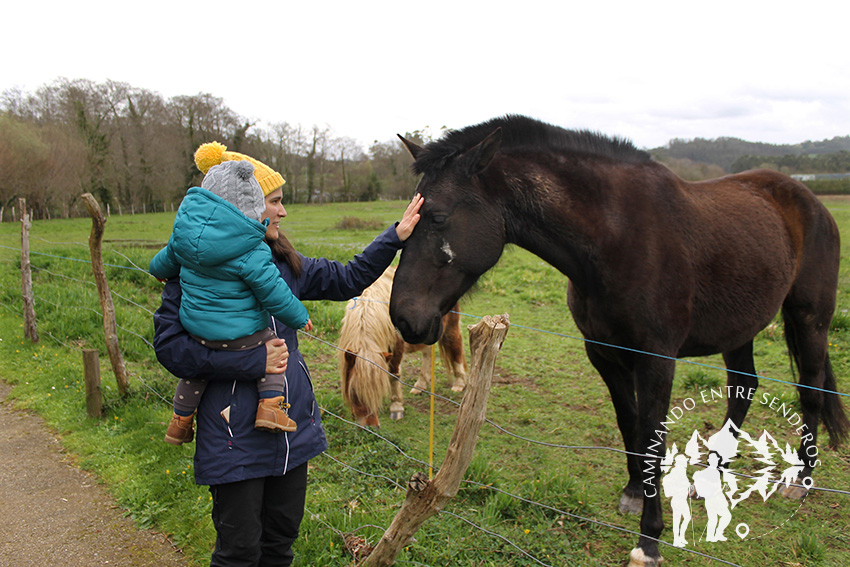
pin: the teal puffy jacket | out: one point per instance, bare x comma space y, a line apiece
230, 283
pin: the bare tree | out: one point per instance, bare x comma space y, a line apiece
316, 163
199, 119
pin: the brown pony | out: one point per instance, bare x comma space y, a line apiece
372, 350
655, 265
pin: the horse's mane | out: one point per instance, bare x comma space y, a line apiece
366, 325
527, 133
368, 332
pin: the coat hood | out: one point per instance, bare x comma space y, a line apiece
209, 230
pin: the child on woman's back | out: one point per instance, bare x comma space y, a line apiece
230, 285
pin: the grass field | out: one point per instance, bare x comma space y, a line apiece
545, 393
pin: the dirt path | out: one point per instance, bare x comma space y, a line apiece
51, 513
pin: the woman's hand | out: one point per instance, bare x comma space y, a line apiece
277, 356
410, 218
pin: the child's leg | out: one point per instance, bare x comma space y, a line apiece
271, 412
187, 398
271, 385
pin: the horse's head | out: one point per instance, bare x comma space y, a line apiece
460, 235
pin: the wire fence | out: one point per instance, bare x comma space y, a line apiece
396, 484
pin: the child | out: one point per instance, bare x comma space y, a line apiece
230, 285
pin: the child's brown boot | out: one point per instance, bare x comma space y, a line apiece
271, 415
181, 429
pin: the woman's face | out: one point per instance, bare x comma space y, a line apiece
274, 212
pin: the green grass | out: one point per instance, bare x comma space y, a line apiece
544, 390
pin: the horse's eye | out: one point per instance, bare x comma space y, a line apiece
439, 221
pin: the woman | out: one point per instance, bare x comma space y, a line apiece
258, 479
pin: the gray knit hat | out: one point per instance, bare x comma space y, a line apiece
234, 181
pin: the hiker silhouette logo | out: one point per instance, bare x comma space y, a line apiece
707, 480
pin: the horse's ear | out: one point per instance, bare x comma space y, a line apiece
350, 359
479, 157
414, 149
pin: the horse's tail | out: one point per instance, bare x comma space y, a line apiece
833, 415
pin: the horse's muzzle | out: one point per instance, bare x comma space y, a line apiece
419, 330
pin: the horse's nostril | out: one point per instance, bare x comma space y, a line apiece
403, 326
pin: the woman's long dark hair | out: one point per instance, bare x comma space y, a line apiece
284, 251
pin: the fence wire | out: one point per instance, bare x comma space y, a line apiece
396, 448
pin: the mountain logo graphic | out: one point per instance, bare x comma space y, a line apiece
711, 473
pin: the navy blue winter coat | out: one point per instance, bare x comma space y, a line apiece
229, 453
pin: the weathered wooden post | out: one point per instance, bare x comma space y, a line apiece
110, 327
427, 497
30, 329
91, 373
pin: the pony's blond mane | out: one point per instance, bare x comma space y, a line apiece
368, 332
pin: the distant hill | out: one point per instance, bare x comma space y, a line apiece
725, 151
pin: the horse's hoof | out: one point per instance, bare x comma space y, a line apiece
396, 415
458, 388
415, 391
794, 492
637, 558
630, 505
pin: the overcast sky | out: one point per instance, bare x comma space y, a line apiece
776, 72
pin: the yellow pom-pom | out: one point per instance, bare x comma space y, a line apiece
209, 155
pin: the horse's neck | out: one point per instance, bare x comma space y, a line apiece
542, 217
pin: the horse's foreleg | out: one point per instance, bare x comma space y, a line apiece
742, 383
620, 383
654, 383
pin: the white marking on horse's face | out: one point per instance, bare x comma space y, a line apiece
447, 250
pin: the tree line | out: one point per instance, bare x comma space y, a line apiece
726, 152
838, 162
133, 150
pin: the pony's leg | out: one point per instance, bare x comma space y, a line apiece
396, 401
620, 383
740, 377
423, 383
394, 363
451, 351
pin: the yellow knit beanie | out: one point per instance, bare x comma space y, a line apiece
213, 153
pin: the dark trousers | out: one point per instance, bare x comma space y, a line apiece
256, 521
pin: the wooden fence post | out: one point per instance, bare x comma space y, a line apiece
110, 327
427, 497
91, 371
30, 329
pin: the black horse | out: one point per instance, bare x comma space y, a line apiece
655, 264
